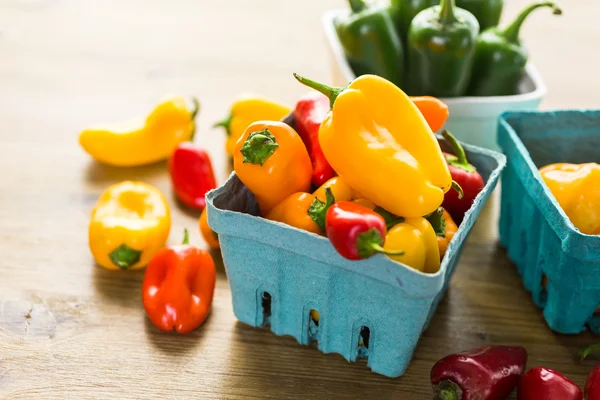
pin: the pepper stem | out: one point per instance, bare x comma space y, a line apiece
224, 123
458, 189
193, 113
258, 147
357, 5
437, 221
186, 237
511, 32
447, 14
331, 92
380, 249
124, 256
318, 209
447, 390
586, 351
459, 159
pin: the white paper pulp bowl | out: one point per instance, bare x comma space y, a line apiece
472, 119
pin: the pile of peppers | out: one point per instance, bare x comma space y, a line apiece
317, 175
441, 48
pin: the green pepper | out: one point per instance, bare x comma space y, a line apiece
370, 41
487, 12
405, 11
500, 58
441, 48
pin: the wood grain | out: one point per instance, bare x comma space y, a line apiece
70, 330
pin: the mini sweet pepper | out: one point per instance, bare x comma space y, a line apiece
575, 188
545, 383
378, 141
246, 110
178, 287
444, 227
130, 223
210, 237
142, 142
192, 175
307, 211
416, 237
271, 160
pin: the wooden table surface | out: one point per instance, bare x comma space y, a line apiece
71, 330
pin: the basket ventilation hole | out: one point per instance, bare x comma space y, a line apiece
313, 325
363, 342
266, 308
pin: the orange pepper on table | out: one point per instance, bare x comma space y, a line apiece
307, 211
271, 160
210, 237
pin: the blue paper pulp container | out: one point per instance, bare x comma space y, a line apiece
539, 236
374, 308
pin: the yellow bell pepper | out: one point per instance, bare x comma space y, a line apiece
418, 240
130, 223
378, 141
575, 187
142, 142
246, 110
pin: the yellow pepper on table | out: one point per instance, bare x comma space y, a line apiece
378, 141
130, 223
575, 187
142, 142
272, 162
246, 110
307, 211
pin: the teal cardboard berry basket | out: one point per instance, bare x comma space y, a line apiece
375, 308
538, 235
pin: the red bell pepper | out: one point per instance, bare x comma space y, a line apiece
178, 287
192, 175
592, 385
545, 383
356, 231
309, 113
465, 175
487, 373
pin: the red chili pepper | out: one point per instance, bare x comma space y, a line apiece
486, 373
191, 175
178, 287
309, 113
544, 383
465, 175
356, 231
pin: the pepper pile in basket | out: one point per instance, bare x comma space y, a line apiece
433, 47
353, 174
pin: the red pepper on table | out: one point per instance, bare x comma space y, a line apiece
356, 231
465, 175
487, 373
544, 383
309, 113
592, 384
178, 287
192, 175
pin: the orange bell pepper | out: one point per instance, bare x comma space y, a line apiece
307, 211
271, 160
433, 109
210, 237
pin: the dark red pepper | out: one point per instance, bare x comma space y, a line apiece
191, 174
309, 113
486, 373
465, 175
592, 384
356, 231
544, 383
